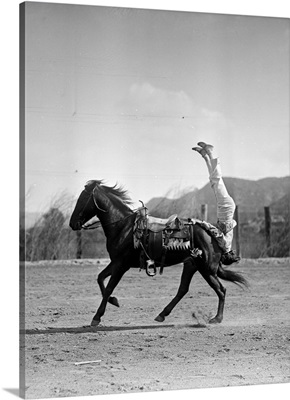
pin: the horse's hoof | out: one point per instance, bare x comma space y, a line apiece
159, 318
114, 301
95, 322
215, 320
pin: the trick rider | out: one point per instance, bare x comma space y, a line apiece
223, 232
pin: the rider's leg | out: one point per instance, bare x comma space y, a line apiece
225, 203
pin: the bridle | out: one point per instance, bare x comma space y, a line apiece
96, 204
91, 193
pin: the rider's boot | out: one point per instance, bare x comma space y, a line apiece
229, 258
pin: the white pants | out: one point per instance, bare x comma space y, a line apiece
225, 203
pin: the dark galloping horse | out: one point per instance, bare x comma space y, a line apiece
111, 205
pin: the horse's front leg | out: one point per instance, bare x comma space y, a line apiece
101, 277
117, 272
189, 270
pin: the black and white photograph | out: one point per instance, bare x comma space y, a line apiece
154, 200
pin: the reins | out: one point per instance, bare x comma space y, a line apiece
99, 224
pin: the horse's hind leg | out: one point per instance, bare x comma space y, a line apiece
214, 282
188, 271
101, 277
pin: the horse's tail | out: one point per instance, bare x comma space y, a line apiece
232, 276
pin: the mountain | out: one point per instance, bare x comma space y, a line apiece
250, 196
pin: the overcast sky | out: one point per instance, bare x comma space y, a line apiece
123, 94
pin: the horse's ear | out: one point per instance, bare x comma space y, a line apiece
90, 185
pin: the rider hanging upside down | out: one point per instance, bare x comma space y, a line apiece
225, 205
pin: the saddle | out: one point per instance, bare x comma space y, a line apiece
170, 234
159, 224
157, 235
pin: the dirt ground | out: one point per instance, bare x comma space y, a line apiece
132, 352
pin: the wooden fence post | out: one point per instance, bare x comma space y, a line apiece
268, 226
237, 232
204, 212
79, 244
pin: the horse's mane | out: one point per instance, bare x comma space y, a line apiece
116, 191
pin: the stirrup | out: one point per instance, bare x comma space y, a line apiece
150, 264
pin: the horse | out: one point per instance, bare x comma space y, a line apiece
112, 207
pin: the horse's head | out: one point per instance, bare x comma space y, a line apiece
85, 208
109, 204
